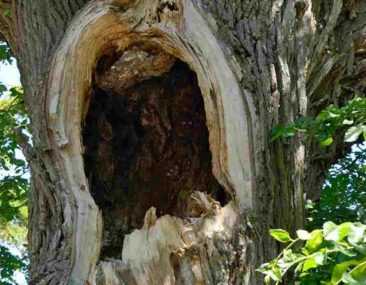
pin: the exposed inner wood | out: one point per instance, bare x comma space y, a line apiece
131, 67
146, 143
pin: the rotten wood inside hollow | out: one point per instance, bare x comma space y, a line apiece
146, 143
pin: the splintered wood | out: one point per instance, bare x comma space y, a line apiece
153, 135
146, 145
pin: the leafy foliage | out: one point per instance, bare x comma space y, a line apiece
14, 182
9, 264
13, 169
351, 117
335, 254
343, 197
5, 53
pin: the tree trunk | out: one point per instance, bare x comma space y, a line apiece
152, 160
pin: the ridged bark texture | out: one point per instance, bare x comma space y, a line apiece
259, 64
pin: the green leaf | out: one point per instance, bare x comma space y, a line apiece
353, 133
359, 273
271, 270
348, 122
356, 233
303, 235
327, 142
277, 133
340, 269
344, 230
309, 263
313, 261
338, 233
348, 279
328, 227
280, 235
9, 263
327, 123
5, 54
2, 88
315, 240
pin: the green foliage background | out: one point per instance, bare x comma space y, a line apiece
343, 197
14, 182
350, 117
329, 254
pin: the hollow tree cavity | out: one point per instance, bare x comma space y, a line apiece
258, 64
113, 119
146, 142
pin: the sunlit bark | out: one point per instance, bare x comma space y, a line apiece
257, 64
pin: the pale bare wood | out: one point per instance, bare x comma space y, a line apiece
259, 63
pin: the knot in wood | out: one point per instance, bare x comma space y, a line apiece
301, 6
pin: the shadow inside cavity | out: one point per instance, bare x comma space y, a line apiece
147, 146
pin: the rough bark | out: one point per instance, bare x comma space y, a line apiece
257, 63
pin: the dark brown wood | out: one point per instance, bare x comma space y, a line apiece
147, 146
289, 59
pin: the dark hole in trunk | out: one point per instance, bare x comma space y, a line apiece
147, 146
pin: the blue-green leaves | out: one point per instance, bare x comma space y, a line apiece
335, 254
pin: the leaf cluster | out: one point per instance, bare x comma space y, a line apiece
14, 177
335, 254
13, 168
350, 118
5, 53
14, 182
9, 264
343, 197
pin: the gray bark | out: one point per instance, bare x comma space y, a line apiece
258, 64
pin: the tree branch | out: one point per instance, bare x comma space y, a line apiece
8, 23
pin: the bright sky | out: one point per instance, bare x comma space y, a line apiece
9, 74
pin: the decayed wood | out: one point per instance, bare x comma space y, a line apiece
179, 30
259, 63
146, 146
134, 65
173, 251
